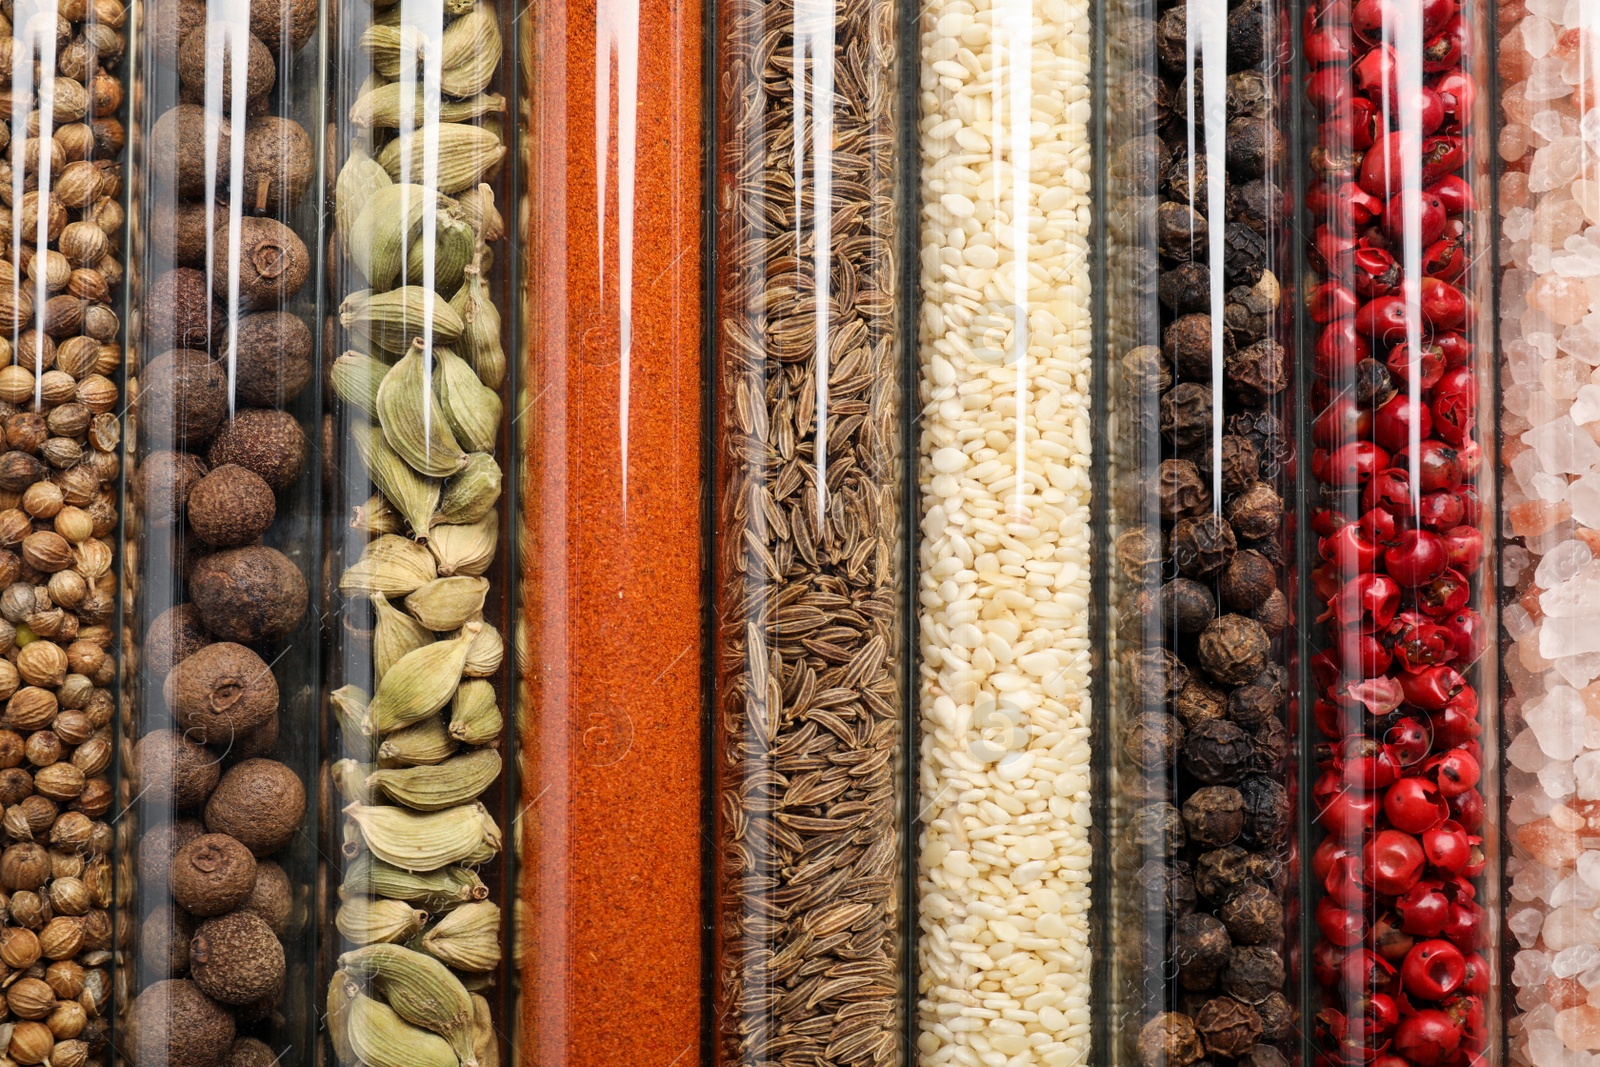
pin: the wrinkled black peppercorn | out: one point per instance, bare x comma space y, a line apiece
1139, 554
1181, 231
1189, 346
1222, 872
1241, 463
1187, 605
1217, 752
1186, 287
1199, 702
1253, 973
1266, 812
1234, 649
1200, 948
1158, 829
1214, 816
1145, 373
1186, 414
1247, 581
1253, 916
1202, 546
1167, 887
1256, 513
1181, 490
1153, 740
1156, 675
1246, 254
1258, 373
1227, 1027
1169, 1040
1277, 1024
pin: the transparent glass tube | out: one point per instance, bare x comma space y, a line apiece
611, 746
221, 532
421, 388
1402, 947
1548, 66
809, 581
1004, 766
1201, 578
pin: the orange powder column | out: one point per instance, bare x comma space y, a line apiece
609, 926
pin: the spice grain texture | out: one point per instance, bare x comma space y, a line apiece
1004, 348
610, 743
808, 756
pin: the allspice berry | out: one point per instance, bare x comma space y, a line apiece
283, 25
231, 506
184, 397
222, 690
212, 875
248, 594
162, 485
271, 357
269, 442
277, 164
236, 959
164, 940
180, 311
174, 770
259, 741
249, 1052
174, 636
159, 844
178, 231
272, 896
271, 263
178, 149
260, 802
174, 1024
206, 57
1168, 1040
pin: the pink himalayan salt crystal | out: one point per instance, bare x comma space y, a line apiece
1515, 63
1513, 190
1579, 1028
1534, 517
1586, 194
1509, 14
1548, 845
1566, 300
1518, 108
1514, 140
1528, 653
1565, 993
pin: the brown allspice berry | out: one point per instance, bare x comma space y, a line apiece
272, 357
284, 25
259, 741
159, 844
250, 1052
1234, 649
271, 263
231, 506
221, 690
173, 1024
174, 636
170, 22
184, 397
1169, 1040
208, 57
272, 896
264, 440
181, 312
277, 164
174, 770
236, 958
259, 802
248, 594
212, 874
178, 231
164, 940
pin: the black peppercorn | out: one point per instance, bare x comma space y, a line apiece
1186, 414
1246, 254
1253, 973
1153, 740
1157, 829
1255, 147
1199, 702
1178, 181
1262, 428
1148, 97
1132, 220
1139, 616
1254, 203
1256, 374
1169, 1040
1181, 231
1251, 705
1247, 581
1187, 605
1277, 1024
1266, 812
1136, 165
1139, 554
1253, 916
1227, 1027
1241, 463
1202, 546
1256, 513
1217, 752
1181, 490
1199, 948
1214, 816
1186, 287
1247, 35
1234, 649
1155, 674
1249, 94
1145, 374
1248, 313
1190, 348
1172, 39
1222, 872
1167, 887
1272, 747
1274, 614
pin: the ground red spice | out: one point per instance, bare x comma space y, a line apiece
610, 729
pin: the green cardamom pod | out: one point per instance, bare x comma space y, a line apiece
420, 682
380, 1037
450, 156
377, 516
471, 493
355, 379
393, 320
350, 709
338, 1021
391, 565
395, 635
458, 7
448, 603
477, 206
475, 713
467, 939
359, 178
411, 418
466, 549
415, 496
472, 409
393, 49
454, 245
389, 223
479, 343
417, 745
371, 920
469, 52
420, 990
350, 779
435, 891
485, 1039
445, 785
486, 653
393, 106
426, 841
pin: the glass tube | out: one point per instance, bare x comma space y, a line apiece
1003, 954
221, 533
809, 748
1201, 466
420, 391
1404, 875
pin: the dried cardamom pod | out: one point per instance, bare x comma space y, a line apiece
420, 990
393, 320
391, 565
445, 785
486, 653
414, 496
475, 713
479, 343
356, 377
447, 603
471, 493
426, 841
374, 920
350, 709
417, 745
388, 225
454, 245
358, 179
338, 1020
462, 154
466, 549
469, 52
393, 49
467, 939
436, 891
472, 409
420, 682
379, 1037
350, 779
485, 1039
412, 418
477, 207
395, 635
394, 105
377, 516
